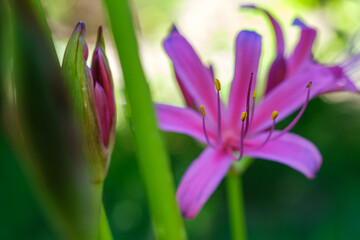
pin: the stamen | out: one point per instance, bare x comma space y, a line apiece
218, 88
273, 117
243, 118
252, 107
248, 102
296, 119
217, 84
202, 109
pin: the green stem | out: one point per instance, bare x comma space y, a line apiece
236, 205
235, 198
104, 228
151, 154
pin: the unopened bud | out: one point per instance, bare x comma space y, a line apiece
91, 92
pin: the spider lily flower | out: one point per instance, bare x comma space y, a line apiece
301, 59
92, 93
243, 127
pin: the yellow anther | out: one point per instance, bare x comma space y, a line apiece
202, 109
254, 94
309, 85
274, 115
217, 84
243, 116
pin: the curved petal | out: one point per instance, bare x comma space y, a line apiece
247, 56
184, 120
290, 149
302, 51
194, 77
344, 82
291, 94
280, 45
278, 68
201, 179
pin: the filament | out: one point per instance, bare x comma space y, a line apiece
218, 88
202, 109
242, 136
248, 103
273, 117
252, 107
296, 119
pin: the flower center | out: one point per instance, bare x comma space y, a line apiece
246, 120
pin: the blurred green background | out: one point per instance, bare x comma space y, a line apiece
280, 202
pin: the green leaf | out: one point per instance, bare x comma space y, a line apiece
46, 139
5, 46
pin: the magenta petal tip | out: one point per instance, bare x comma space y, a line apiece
80, 27
99, 34
248, 6
174, 29
298, 22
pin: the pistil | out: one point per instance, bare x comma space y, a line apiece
218, 88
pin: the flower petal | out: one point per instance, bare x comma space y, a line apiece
291, 94
302, 51
102, 75
343, 83
103, 112
184, 120
211, 71
280, 45
201, 179
189, 101
195, 78
247, 55
276, 73
290, 149
277, 70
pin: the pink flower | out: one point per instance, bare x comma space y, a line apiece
243, 127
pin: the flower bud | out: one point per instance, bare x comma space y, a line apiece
92, 96
104, 93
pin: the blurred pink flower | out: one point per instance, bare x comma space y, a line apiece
241, 127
